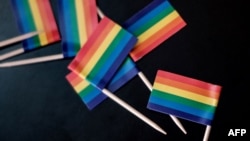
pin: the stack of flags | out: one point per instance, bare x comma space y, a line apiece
105, 54
101, 56
92, 96
144, 18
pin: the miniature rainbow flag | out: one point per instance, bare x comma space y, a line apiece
184, 97
36, 15
103, 53
90, 95
152, 25
77, 20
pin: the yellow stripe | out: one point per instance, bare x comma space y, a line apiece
185, 94
79, 87
38, 21
101, 49
81, 21
158, 26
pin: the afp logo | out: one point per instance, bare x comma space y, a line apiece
237, 132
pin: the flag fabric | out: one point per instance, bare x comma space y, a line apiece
125, 73
170, 25
77, 20
103, 53
36, 15
152, 25
184, 97
90, 95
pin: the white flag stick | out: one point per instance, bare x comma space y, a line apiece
150, 87
100, 12
207, 133
32, 60
133, 111
18, 38
11, 54
145, 80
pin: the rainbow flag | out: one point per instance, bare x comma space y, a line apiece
77, 20
36, 15
184, 97
103, 53
90, 95
152, 25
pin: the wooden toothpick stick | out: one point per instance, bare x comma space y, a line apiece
18, 38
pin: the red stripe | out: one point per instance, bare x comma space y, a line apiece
187, 87
90, 16
190, 81
48, 19
74, 79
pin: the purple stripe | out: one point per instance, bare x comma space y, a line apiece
140, 14
177, 113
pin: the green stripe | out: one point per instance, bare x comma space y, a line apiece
86, 91
184, 101
30, 23
74, 39
107, 54
149, 23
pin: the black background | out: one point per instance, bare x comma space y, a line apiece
38, 104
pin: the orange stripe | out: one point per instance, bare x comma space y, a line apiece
90, 15
70, 76
74, 79
187, 87
190, 81
45, 21
92, 45
50, 23
146, 46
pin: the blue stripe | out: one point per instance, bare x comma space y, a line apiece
180, 107
69, 40
114, 61
125, 73
142, 13
143, 20
123, 80
127, 65
22, 18
117, 62
63, 28
167, 110
90, 96
96, 101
